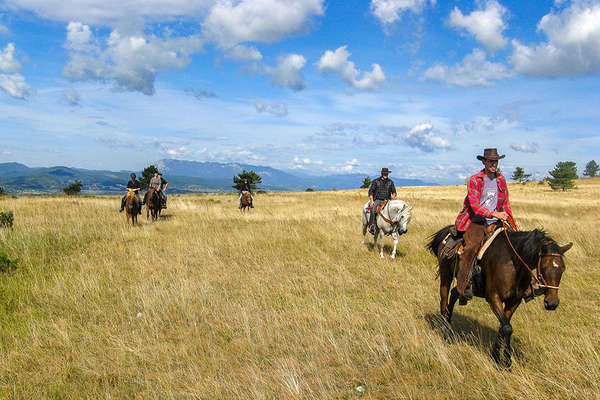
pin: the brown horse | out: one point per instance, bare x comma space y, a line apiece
506, 274
153, 205
246, 201
132, 206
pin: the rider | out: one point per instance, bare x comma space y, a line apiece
246, 189
486, 203
155, 183
163, 190
381, 189
132, 184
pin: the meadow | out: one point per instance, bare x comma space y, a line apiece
282, 303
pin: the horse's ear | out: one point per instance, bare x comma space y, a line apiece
563, 249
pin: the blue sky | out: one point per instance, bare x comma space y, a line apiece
420, 86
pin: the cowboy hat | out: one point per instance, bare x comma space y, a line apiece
385, 171
490, 154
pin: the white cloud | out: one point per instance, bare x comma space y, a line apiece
525, 148
485, 24
4, 30
72, 97
422, 137
278, 109
390, 11
229, 23
337, 62
244, 53
288, 72
475, 70
11, 81
131, 62
572, 48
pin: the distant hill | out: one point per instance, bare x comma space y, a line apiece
183, 177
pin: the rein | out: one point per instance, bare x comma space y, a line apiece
539, 279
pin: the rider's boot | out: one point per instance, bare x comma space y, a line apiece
473, 238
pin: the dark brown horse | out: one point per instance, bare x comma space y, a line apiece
505, 277
132, 206
153, 205
246, 201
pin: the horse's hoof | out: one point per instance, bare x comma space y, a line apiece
393, 256
381, 256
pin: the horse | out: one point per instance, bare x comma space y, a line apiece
153, 205
246, 201
132, 206
392, 220
506, 274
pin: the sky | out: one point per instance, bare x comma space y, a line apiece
312, 86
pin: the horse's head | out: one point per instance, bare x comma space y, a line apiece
551, 268
402, 218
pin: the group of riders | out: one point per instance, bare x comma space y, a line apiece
157, 182
486, 207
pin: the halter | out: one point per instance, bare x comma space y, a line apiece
539, 279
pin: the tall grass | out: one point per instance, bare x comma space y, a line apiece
282, 303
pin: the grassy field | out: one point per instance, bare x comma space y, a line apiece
283, 303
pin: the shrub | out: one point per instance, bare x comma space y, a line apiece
563, 175
73, 188
310, 190
6, 264
6, 219
1, 191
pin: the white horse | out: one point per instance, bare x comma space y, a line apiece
391, 220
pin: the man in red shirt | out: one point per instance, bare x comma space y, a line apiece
486, 203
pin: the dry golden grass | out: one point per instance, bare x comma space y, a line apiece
282, 303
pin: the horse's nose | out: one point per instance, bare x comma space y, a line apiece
551, 306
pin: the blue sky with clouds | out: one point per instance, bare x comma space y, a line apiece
420, 86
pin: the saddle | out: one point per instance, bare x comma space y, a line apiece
380, 206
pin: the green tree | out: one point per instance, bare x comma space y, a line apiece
253, 180
73, 188
591, 169
147, 174
520, 176
563, 175
1, 191
366, 183
310, 189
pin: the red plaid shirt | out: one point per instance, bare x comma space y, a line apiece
472, 206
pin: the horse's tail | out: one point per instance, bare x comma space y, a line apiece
434, 240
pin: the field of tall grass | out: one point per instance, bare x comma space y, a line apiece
282, 303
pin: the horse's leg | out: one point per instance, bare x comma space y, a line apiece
364, 229
395, 237
505, 330
381, 243
445, 282
509, 309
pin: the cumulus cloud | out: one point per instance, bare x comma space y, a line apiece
229, 23
200, 93
423, 138
525, 148
11, 81
4, 30
278, 109
288, 72
72, 97
244, 53
485, 24
474, 70
572, 46
390, 11
337, 62
131, 62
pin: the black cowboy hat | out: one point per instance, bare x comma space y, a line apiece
133, 175
385, 171
490, 154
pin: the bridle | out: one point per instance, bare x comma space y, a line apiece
389, 221
539, 279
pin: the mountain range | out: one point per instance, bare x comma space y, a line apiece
183, 176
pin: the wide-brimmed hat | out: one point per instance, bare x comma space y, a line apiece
490, 154
385, 171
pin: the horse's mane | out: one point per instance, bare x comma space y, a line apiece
528, 243
434, 240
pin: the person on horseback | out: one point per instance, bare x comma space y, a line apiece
162, 190
155, 183
132, 184
485, 204
246, 189
381, 189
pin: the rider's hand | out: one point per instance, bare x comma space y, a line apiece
371, 202
500, 215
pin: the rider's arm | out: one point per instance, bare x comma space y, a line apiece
474, 197
393, 194
166, 186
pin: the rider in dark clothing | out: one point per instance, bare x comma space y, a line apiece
163, 188
246, 188
132, 184
381, 189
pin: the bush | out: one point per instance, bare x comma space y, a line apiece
6, 219
6, 264
1, 191
73, 188
310, 190
563, 175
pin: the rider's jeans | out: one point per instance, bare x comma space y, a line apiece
473, 238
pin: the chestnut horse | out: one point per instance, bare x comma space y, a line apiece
132, 206
506, 274
153, 205
246, 201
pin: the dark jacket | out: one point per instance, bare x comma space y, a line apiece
133, 184
246, 187
382, 189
